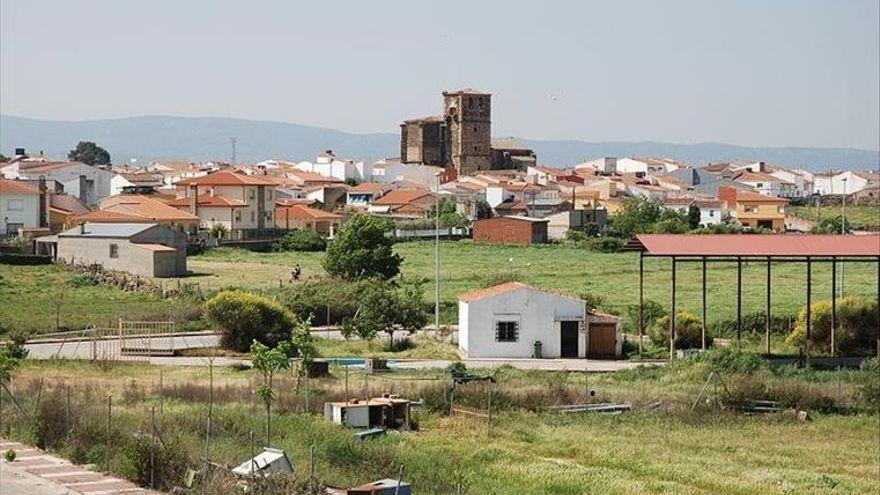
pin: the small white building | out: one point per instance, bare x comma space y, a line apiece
507, 320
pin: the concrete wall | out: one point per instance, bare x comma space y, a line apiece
167, 237
91, 250
19, 209
539, 315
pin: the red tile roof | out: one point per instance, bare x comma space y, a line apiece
760, 245
227, 178
47, 167
368, 187
402, 196
505, 288
302, 212
146, 207
8, 186
750, 196
209, 201
105, 216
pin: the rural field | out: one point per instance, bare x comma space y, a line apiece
860, 217
665, 448
32, 295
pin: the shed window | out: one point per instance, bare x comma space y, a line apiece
15, 205
114, 250
506, 331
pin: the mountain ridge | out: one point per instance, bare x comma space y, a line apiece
155, 137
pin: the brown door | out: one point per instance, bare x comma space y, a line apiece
603, 341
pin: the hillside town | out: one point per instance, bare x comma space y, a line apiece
451, 158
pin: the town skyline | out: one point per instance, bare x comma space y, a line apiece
769, 75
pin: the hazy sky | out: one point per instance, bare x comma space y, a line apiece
761, 73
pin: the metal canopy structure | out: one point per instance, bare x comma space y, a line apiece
777, 248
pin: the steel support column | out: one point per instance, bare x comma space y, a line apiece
703, 336
809, 308
769, 316
641, 301
739, 297
672, 316
833, 305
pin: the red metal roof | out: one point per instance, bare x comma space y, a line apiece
760, 245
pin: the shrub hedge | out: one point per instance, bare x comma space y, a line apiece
856, 331
688, 331
245, 317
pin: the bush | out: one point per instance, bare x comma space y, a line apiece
501, 277
592, 300
732, 360
9, 455
575, 235
245, 317
868, 388
17, 339
143, 456
688, 331
754, 323
605, 245
651, 312
324, 301
856, 330
301, 240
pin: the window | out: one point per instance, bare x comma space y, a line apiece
711, 213
15, 205
12, 227
250, 194
253, 216
114, 250
237, 216
506, 331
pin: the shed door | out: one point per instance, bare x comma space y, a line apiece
603, 341
569, 339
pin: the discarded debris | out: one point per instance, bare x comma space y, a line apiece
371, 433
381, 487
388, 411
270, 462
605, 407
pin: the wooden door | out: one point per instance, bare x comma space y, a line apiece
568, 339
603, 341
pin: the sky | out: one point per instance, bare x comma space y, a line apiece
749, 72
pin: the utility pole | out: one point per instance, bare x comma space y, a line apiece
437, 257
842, 230
233, 140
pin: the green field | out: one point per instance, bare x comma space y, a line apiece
860, 217
39, 297
669, 449
29, 293
467, 266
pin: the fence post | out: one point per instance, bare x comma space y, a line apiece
67, 415
152, 447
399, 479
109, 419
489, 411
312, 470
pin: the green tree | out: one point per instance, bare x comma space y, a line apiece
636, 216
688, 331
3, 158
304, 344
268, 361
831, 225
89, 153
449, 216
361, 250
388, 309
693, 216
245, 317
301, 240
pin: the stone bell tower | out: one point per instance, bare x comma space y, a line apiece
467, 114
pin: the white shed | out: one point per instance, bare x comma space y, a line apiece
506, 321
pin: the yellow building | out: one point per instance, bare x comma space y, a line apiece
755, 210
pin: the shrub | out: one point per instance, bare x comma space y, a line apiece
592, 300
17, 339
9, 455
146, 459
856, 330
605, 245
688, 331
732, 360
754, 323
245, 317
324, 301
575, 235
868, 388
651, 312
501, 277
301, 240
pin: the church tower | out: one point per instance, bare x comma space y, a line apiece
467, 114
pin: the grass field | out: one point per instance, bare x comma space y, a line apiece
38, 297
28, 293
467, 266
669, 450
860, 217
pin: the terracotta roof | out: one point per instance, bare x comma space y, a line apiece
760, 245
67, 203
8, 186
104, 216
295, 201
678, 201
303, 212
145, 207
47, 167
505, 288
751, 196
209, 201
757, 177
368, 187
402, 196
154, 247
227, 178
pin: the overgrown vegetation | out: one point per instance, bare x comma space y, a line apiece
301, 240
361, 250
245, 318
856, 331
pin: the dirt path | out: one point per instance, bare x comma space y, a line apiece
35, 472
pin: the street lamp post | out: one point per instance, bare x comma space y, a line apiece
437, 257
842, 229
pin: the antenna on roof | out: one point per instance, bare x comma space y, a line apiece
232, 140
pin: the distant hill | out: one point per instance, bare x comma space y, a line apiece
207, 138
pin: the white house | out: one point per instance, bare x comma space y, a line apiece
88, 183
766, 184
711, 211
843, 182
802, 180
647, 165
328, 165
508, 321
605, 165
19, 206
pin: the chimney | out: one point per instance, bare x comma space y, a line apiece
44, 203
19, 152
194, 199
83, 193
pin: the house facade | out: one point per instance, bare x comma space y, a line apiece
144, 249
88, 183
244, 204
510, 319
755, 210
20, 207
